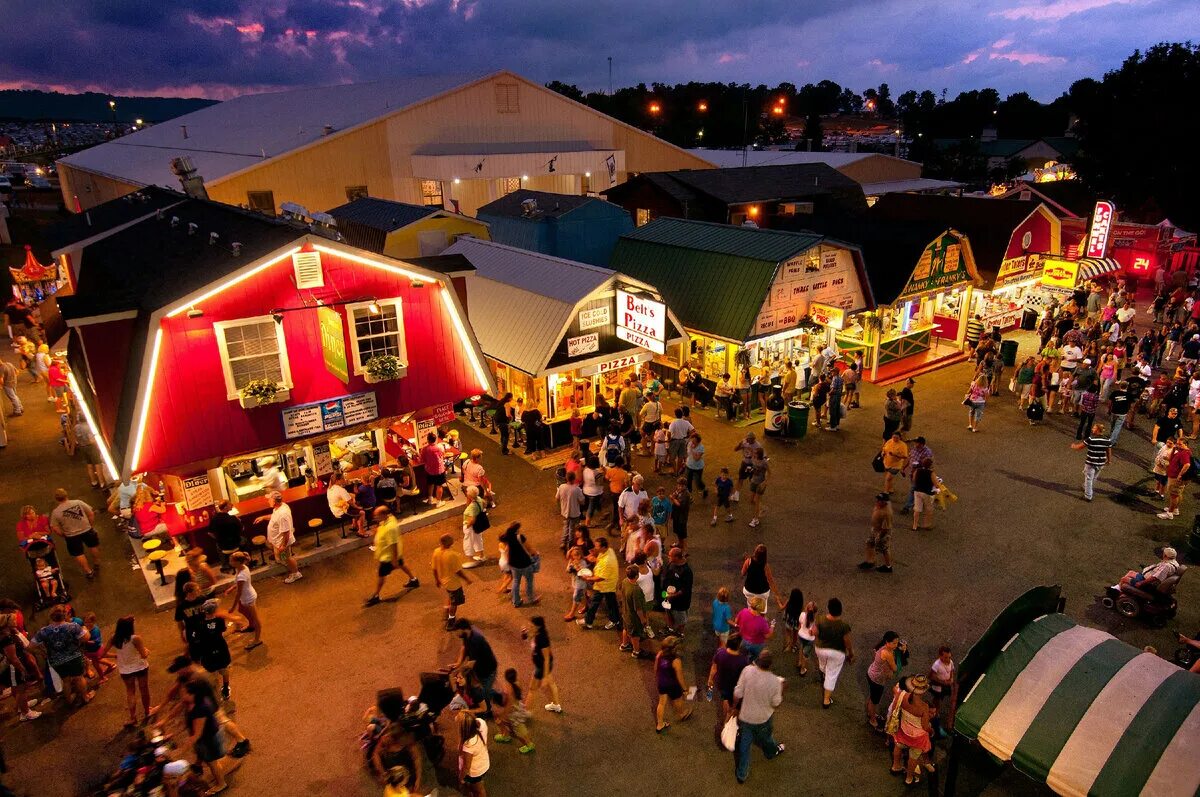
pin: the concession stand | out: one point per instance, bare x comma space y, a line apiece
257, 356
748, 297
560, 334
1075, 708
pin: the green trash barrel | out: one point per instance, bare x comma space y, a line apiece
1008, 352
797, 419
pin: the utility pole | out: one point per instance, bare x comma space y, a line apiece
610, 91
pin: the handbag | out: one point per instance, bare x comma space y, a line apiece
877, 463
482, 521
535, 563
967, 400
729, 734
893, 719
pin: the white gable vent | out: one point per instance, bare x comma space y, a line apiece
307, 266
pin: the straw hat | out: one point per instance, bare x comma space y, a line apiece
918, 684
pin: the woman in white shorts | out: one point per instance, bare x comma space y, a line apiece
245, 601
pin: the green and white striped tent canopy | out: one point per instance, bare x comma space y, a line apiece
1087, 714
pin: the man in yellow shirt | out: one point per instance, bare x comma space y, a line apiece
604, 588
389, 552
449, 575
895, 457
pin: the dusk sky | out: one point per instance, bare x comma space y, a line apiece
218, 48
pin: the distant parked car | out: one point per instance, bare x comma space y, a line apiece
39, 182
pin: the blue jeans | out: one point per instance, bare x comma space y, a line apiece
519, 573
908, 505
1090, 472
1118, 425
752, 650
568, 533
749, 735
609, 599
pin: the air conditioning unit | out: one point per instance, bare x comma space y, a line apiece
795, 208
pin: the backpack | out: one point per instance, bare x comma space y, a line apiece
1036, 411
614, 446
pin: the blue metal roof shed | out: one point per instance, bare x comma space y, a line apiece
580, 228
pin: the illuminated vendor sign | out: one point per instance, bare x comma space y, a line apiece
827, 316
615, 364
328, 415
1060, 274
1102, 220
641, 321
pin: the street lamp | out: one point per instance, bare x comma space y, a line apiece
138, 122
655, 107
777, 110
702, 107
112, 107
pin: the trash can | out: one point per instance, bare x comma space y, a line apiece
1029, 320
1008, 352
797, 419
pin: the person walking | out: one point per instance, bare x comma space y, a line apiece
893, 414
475, 521
522, 560
570, 497
1099, 454
245, 597
18, 667
759, 468
757, 694
695, 464
281, 535
208, 645
133, 664
1178, 469
757, 579
879, 539
924, 483
681, 507
204, 728
1089, 400
895, 458
836, 384
543, 663
670, 683
603, 581
593, 488
448, 574
473, 759
680, 430
72, 520
881, 672
8, 378
61, 642
976, 400
502, 416
677, 579
834, 648
917, 452
913, 731
389, 552
636, 620
747, 446
754, 628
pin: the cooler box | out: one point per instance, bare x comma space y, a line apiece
797, 419
1029, 320
1008, 352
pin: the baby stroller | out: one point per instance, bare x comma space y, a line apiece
44, 549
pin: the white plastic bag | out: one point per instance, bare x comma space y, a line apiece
729, 734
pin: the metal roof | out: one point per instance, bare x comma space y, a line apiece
552, 277
242, 132
715, 277
549, 206
108, 216
916, 184
515, 325
381, 214
732, 158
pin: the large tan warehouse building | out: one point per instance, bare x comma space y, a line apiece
449, 141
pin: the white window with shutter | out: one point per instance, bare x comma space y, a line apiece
252, 348
376, 328
307, 266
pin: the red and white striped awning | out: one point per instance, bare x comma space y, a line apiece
1092, 267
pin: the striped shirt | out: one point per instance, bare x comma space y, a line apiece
1097, 450
974, 330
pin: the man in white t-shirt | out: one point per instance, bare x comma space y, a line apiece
72, 520
631, 498
1072, 354
680, 430
341, 504
1126, 314
281, 535
650, 415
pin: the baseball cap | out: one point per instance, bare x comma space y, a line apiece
1169, 553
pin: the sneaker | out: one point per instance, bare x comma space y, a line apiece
609, 626
729, 518
865, 565
883, 569
502, 738
586, 626
1166, 515
412, 584
240, 749
526, 749
555, 707
30, 715
781, 749
293, 578
754, 523
225, 692
471, 564
371, 601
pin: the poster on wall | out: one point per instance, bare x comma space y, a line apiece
829, 258
328, 415
322, 460
584, 344
197, 492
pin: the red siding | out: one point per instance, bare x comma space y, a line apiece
1040, 232
191, 419
106, 346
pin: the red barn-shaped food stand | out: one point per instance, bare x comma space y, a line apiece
210, 344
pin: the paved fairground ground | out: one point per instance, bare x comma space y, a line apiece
1020, 522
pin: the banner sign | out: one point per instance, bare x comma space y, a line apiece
595, 317
615, 364
1060, 274
641, 321
1102, 220
441, 414
333, 343
329, 415
584, 344
827, 316
1016, 269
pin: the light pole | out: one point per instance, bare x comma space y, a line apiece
112, 106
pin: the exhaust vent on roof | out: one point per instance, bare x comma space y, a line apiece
307, 267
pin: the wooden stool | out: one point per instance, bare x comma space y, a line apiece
260, 544
151, 544
157, 558
315, 524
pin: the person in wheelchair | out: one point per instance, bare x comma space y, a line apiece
1162, 573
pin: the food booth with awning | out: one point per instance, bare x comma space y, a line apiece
747, 296
256, 355
559, 334
1075, 708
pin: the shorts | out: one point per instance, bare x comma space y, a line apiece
385, 568
1161, 478
473, 778
435, 479
922, 502
806, 646
215, 660
723, 500
880, 541
876, 691
540, 671
758, 488
649, 428
91, 453
76, 542
680, 529
10, 676
130, 676
673, 691
1175, 488
457, 598
892, 471
284, 554
678, 448
579, 595
210, 750
72, 668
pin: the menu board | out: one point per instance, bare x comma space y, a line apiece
322, 460
329, 415
197, 492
